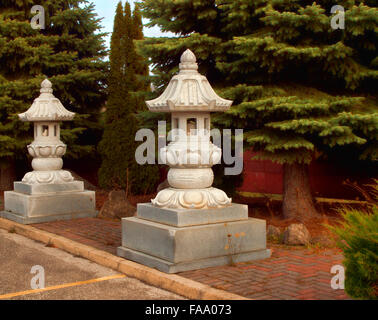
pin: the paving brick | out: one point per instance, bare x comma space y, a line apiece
289, 274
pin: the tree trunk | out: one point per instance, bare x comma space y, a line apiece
7, 175
298, 202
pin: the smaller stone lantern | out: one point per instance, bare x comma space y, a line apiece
47, 149
191, 225
47, 193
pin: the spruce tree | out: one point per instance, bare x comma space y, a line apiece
70, 52
117, 147
300, 88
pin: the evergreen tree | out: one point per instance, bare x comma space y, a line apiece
140, 65
299, 87
117, 147
119, 129
69, 51
128, 53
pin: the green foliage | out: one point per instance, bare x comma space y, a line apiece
117, 147
70, 52
140, 64
298, 85
358, 238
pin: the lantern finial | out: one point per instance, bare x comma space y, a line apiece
188, 62
188, 56
46, 86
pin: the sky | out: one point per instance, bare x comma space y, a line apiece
106, 9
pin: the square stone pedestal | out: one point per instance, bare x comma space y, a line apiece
173, 240
38, 203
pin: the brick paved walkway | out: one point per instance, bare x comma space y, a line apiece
289, 274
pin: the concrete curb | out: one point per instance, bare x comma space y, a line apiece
173, 283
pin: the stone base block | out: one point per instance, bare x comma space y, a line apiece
33, 189
168, 267
192, 217
41, 219
27, 209
173, 249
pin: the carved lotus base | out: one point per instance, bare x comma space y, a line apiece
39, 177
191, 154
191, 198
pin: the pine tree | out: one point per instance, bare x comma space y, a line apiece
69, 51
299, 87
117, 147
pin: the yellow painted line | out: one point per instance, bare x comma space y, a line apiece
66, 285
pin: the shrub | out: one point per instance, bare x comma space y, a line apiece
358, 238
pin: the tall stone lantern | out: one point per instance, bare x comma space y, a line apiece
47, 193
191, 225
190, 99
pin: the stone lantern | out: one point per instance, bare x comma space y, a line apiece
191, 225
190, 99
47, 149
47, 193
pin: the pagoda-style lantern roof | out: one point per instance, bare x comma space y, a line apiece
47, 107
189, 91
